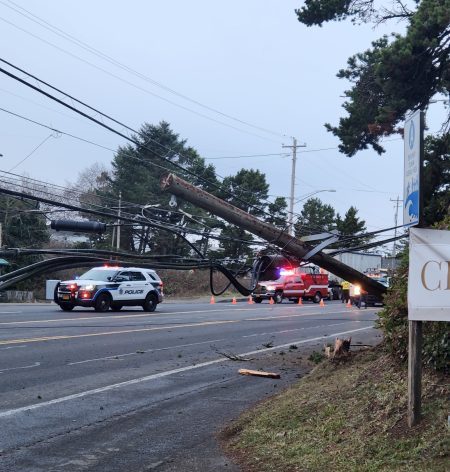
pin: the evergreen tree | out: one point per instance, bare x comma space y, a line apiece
315, 217
23, 226
351, 225
396, 75
277, 213
136, 174
247, 190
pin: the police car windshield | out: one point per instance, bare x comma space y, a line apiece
99, 274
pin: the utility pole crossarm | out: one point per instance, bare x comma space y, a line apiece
244, 220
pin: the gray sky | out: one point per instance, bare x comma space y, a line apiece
251, 60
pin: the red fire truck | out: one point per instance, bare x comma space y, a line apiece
293, 283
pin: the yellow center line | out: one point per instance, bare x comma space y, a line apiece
109, 333
156, 328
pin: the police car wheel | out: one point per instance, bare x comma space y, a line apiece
103, 302
66, 306
150, 302
55, 292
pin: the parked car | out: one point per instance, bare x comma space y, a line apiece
105, 288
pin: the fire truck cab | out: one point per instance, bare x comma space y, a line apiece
304, 282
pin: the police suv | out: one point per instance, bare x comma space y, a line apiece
105, 288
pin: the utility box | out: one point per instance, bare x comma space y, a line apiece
50, 286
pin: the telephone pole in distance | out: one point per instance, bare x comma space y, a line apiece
294, 147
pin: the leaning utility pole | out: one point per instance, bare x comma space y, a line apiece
179, 187
292, 197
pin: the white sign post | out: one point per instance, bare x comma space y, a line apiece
413, 136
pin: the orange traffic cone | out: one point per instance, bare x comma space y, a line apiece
349, 304
321, 302
212, 301
250, 300
234, 302
300, 301
271, 302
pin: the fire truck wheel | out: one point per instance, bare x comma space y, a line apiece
278, 298
257, 300
317, 297
103, 302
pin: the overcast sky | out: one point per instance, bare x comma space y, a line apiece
251, 60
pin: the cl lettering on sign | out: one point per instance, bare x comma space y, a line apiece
434, 274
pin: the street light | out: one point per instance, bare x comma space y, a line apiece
291, 213
313, 193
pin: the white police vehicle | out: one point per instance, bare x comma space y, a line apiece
105, 288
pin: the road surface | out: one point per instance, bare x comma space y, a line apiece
136, 391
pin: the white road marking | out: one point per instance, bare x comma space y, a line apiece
12, 412
297, 329
36, 364
9, 312
144, 351
11, 347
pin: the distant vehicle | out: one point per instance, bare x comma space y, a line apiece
105, 288
358, 296
302, 282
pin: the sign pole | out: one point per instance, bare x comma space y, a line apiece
415, 326
414, 372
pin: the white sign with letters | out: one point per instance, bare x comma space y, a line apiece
411, 181
429, 275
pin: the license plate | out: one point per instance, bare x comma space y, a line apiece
66, 297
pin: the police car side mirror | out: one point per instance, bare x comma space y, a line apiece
109, 278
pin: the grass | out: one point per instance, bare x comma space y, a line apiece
348, 416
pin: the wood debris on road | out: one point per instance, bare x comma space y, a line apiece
259, 373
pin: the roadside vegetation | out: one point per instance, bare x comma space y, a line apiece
348, 415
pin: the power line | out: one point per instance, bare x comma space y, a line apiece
109, 128
59, 32
113, 130
282, 154
32, 152
137, 86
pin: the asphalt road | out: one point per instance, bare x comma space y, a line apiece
136, 391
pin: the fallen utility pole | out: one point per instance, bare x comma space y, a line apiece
179, 187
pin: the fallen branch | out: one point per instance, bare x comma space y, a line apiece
231, 356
